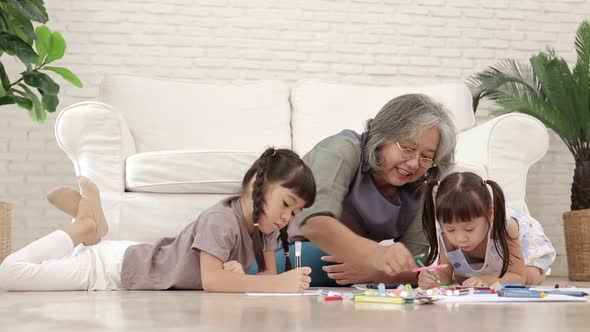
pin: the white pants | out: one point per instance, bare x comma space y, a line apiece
53, 264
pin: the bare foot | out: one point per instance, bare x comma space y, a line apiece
66, 199
90, 191
83, 229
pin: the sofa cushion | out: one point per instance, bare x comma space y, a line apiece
194, 115
182, 172
322, 109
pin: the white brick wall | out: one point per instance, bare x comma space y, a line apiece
360, 41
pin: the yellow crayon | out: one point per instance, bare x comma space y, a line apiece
382, 299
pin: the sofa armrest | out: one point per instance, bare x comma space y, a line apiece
98, 141
505, 147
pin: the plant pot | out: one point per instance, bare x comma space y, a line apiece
576, 226
5, 216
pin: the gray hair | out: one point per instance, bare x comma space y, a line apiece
406, 117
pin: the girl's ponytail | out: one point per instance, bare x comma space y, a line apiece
429, 221
258, 202
500, 232
284, 236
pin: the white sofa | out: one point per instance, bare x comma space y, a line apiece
161, 151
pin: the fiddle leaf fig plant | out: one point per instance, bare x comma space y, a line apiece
36, 48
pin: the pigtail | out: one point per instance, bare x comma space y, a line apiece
429, 221
258, 205
284, 236
500, 232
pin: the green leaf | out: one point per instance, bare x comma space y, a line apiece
22, 102
32, 9
41, 81
37, 113
581, 75
4, 26
4, 80
7, 100
42, 42
558, 86
57, 47
66, 74
506, 77
13, 45
49, 102
21, 26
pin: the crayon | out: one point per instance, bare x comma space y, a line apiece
382, 299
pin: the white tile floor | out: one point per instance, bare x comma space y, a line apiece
199, 311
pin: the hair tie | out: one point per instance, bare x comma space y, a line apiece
485, 182
438, 183
256, 225
286, 254
274, 152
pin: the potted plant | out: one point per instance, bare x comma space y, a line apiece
33, 89
547, 89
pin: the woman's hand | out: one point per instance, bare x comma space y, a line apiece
294, 281
393, 259
427, 281
345, 273
233, 266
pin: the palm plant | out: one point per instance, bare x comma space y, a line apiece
546, 89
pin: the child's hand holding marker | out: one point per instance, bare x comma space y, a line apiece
427, 278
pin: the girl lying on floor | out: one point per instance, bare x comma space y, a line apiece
210, 253
480, 243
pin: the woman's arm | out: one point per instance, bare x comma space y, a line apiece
331, 236
215, 279
367, 257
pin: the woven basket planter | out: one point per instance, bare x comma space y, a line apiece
5, 216
577, 242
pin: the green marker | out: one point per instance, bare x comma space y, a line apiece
419, 262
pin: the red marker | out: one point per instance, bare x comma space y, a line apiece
332, 298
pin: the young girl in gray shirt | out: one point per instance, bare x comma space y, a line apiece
210, 253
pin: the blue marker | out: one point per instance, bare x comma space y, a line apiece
381, 288
513, 285
568, 292
521, 292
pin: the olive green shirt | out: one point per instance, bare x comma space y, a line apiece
346, 191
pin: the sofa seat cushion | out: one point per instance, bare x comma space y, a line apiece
183, 172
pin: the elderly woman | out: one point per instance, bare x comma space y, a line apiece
367, 192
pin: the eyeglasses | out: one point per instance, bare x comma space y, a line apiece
410, 154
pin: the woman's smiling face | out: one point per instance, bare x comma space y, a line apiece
396, 170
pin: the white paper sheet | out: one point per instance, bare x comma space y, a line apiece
306, 293
473, 298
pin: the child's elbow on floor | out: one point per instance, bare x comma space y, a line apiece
211, 285
207, 285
